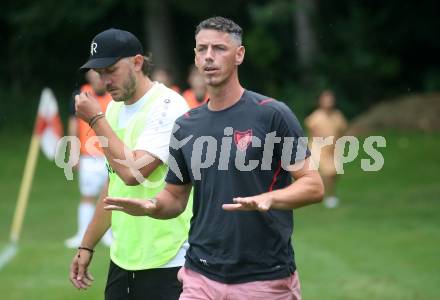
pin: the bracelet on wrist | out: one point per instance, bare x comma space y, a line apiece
95, 117
96, 120
87, 249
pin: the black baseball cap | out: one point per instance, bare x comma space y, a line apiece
110, 46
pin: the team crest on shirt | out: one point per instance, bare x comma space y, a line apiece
242, 139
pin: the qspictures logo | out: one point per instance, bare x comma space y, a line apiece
207, 149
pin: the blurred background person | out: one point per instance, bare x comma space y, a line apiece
92, 172
197, 93
327, 121
164, 76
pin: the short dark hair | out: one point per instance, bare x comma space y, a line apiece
223, 25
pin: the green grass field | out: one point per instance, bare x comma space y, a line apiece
382, 243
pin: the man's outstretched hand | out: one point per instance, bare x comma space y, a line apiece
260, 202
134, 207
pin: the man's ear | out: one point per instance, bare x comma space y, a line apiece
138, 62
239, 55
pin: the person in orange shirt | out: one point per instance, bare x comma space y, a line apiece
327, 121
91, 169
197, 94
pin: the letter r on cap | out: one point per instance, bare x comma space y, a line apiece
93, 47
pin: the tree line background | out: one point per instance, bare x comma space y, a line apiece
366, 51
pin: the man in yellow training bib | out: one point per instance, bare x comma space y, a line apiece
146, 253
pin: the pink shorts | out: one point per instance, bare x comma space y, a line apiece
197, 286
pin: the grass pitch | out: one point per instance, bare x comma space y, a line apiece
382, 242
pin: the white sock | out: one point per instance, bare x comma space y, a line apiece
85, 215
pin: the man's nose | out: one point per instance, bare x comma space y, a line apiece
209, 54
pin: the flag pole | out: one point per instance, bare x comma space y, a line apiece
26, 183
25, 187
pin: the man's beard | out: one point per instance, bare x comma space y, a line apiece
128, 88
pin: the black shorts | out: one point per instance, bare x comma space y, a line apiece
151, 284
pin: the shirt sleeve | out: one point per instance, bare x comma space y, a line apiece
292, 136
178, 170
160, 121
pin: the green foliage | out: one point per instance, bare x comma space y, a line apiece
366, 51
263, 48
431, 80
271, 11
202, 9
351, 54
40, 31
19, 108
